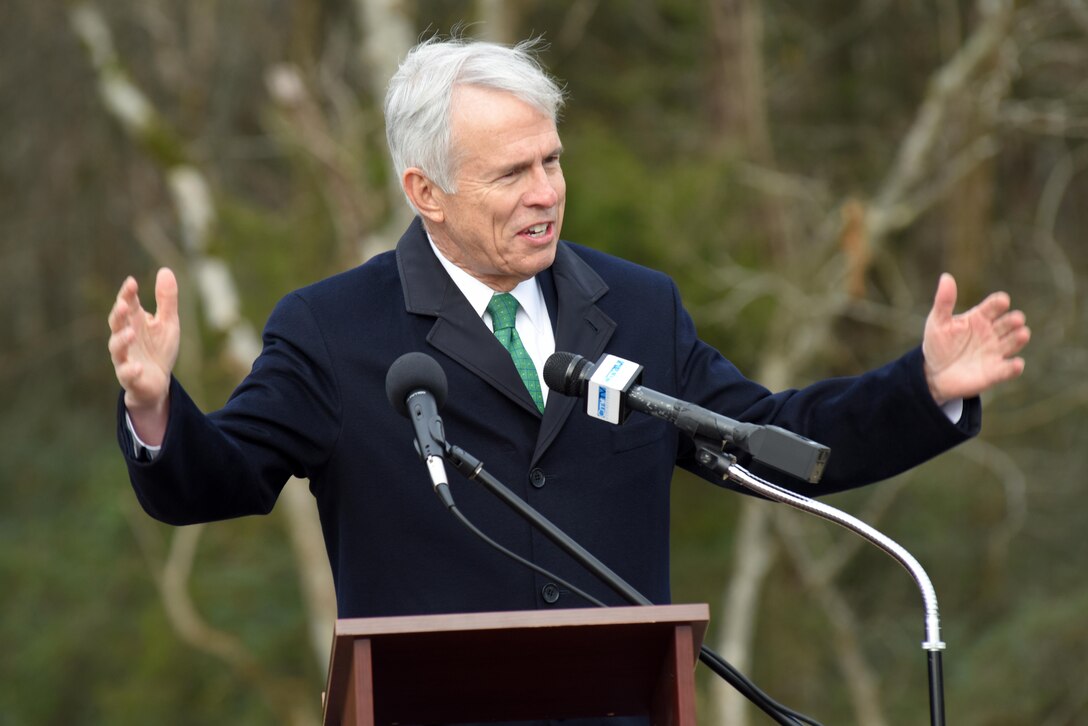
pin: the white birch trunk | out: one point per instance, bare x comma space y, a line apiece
220, 301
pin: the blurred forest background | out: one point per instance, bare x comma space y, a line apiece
803, 170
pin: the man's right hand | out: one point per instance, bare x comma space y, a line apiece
144, 348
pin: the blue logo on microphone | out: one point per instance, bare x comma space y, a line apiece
602, 400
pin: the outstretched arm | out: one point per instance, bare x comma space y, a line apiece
144, 347
969, 353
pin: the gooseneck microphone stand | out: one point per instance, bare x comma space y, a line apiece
709, 454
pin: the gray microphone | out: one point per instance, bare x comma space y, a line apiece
611, 390
416, 388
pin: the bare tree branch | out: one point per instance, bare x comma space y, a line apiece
1015, 484
914, 161
387, 37
315, 576
834, 560
196, 214
1048, 118
172, 577
1050, 201
755, 552
1041, 412
499, 20
796, 340
575, 22
350, 201
1078, 11
858, 676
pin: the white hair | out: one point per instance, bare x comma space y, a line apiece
417, 104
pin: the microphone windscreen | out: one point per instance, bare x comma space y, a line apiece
413, 372
567, 373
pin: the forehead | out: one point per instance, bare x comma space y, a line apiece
487, 123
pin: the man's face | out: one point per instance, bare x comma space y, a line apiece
502, 224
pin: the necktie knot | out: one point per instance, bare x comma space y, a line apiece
504, 311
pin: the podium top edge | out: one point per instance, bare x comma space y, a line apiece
695, 614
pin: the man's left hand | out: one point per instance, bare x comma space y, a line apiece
968, 353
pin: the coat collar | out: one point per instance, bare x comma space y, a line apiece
571, 289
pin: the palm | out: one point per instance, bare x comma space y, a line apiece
155, 349
144, 346
967, 354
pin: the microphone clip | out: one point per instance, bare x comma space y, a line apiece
607, 389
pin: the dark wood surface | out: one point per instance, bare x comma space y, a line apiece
517, 665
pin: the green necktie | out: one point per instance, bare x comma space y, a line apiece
504, 311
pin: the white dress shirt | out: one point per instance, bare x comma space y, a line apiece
533, 323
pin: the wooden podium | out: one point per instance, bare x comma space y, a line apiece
437, 669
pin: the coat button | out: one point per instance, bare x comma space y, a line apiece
550, 593
537, 478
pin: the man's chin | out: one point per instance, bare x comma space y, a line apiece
542, 259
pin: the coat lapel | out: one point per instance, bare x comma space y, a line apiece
580, 326
457, 331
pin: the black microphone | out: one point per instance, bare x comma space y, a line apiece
612, 391
416, 387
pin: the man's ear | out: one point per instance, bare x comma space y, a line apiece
424, 194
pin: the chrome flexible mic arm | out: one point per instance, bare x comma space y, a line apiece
725, 465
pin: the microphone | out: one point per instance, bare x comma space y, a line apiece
612, 391
416, 387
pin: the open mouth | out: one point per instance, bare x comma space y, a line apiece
537, 231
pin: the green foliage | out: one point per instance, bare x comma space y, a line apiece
695, 225
273, 251
1029, 666
85, 637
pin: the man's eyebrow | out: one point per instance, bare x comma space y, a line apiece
517, 166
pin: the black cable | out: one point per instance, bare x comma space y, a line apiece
518, 558
473, 469
722, 667
712, 660
745, 687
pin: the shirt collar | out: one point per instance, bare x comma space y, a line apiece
527, 293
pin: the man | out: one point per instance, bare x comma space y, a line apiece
472, 131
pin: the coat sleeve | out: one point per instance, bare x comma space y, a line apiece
877, 424
282, 420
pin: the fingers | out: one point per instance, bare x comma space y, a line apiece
126, 370
128, 374
1009, 330
1015, 338
143, 347
995, 305
1009, 323
127, 309
1012, 368
121, 330
944, 302
119, 343
166, 295
125, 318
127, 300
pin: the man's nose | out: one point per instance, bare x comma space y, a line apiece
542, 191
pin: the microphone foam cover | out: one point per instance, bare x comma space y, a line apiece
413, 372
567, 373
